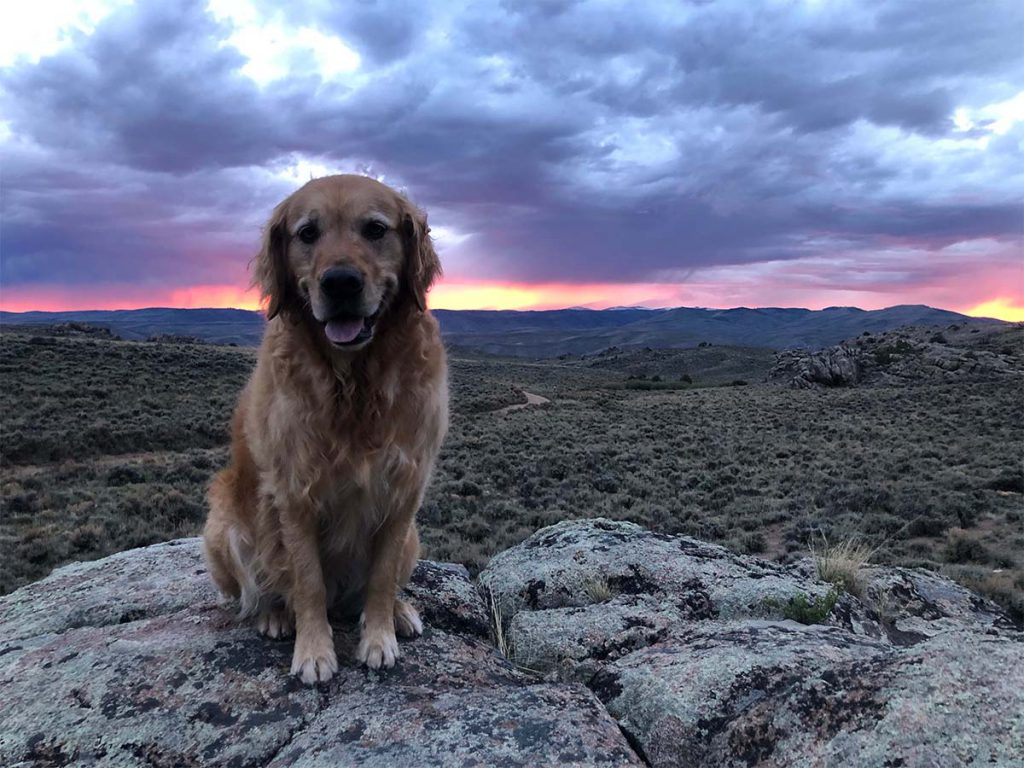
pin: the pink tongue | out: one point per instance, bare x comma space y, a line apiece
343, 331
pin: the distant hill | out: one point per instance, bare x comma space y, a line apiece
216, 326
552, 332
582, 331
707, 365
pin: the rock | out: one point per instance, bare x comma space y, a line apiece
131, 660
628, 647
689, 647
590, 589
914, 605
836, 367
122, 588
911, 354
580, 639
784, 694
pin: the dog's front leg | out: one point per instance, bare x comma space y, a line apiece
378, 645
314, 658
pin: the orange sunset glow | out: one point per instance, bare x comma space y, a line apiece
492, 295
445, 295
54, 299
468, 294
1001, 308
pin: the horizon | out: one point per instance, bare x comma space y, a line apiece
729, 154
1000, 308
259, 309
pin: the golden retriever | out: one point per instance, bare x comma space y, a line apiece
335, 435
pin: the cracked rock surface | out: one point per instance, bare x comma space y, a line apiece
689, 648
131, 660
629, 647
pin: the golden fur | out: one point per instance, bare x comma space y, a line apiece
332, 448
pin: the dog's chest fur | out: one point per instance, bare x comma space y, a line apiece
349, 450
356, 493
361, 490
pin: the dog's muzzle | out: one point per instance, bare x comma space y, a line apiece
347, 324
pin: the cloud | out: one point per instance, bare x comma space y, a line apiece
560, 142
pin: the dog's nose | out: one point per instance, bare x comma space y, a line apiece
341, 282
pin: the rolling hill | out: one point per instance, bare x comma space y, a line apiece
215, 326
550, 333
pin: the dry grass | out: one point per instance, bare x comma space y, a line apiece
498, 626
842, 563
517, 651
598, 589
1002, 586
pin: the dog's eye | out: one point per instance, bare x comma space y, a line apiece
374, 230
308, 233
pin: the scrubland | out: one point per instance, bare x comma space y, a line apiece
108, 445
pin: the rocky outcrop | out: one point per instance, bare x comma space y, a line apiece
622, 646
836, 367
131, 661
709, 658
908, 354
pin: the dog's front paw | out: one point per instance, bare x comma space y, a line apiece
275, 622
378, 647
407, 620
314, 659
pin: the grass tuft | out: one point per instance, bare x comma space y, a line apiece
842, 563
498, 624
598, 589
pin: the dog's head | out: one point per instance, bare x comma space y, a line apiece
345, 250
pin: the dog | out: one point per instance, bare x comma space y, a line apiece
335, 435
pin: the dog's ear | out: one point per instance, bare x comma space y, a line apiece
422, 267
271, 273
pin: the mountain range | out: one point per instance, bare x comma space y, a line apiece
549, 333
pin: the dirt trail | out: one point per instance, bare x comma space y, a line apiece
531, 399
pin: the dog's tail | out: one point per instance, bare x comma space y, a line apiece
229, 551
243, 558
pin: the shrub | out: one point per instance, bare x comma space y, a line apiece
807, 610
125, 475
927, 526
1008, 481
752, 543
961, 547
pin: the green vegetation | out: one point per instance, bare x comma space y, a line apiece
888, 352
808, 610
107, 445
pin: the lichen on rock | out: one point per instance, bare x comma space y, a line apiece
131, 660
626, 647
694, 660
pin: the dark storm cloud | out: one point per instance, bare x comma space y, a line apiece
152, 90
574, 141
381, 32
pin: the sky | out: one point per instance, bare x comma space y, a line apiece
717, 154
